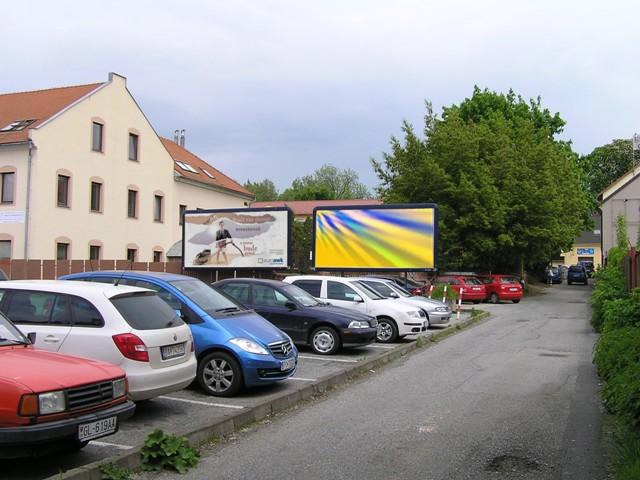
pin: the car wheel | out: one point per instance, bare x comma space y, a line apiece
428, 321
493, 298
325, 341
517, 300
219, 374
387, 331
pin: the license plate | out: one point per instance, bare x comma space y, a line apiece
100, 428
476, 289
513, 289
287, 364
172, 351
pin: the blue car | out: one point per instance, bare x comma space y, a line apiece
235, 347
577, 274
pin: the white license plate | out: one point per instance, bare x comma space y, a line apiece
97, 429
172, 351
513, 289
476, 289
288, 364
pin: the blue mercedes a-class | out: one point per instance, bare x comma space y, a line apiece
235, 346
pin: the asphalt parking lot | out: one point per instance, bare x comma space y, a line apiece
190, 408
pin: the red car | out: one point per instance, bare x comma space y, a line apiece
502, 287
473, 290
50, 401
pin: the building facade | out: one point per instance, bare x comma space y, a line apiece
83, 175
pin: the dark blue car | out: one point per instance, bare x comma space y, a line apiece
235, 347
577, 274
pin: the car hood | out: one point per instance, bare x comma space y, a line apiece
252, 326
425, 302
340, 312
43, 371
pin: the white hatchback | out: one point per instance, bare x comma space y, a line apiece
395, 319
128, 326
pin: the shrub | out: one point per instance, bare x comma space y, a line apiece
621, 394
609, 286
616, 350
622, 312
162, 451
438, 293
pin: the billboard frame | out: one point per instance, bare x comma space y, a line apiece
240, 210
390, 206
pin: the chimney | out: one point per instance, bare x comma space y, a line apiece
182, 138
176, 136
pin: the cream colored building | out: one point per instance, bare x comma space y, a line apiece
83, 174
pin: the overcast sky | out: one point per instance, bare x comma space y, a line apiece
275, 89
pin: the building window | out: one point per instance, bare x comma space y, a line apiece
132, 204
157, 208
132, 253
157, 256
62, 251
133, 147
5, 249
94, 252
181, 210
8, 186
63, 191
96, 136
96, 195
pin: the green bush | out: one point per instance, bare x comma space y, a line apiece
622, 312
438, 293
621, 394
617, 350
626, 451
609, 285
162, 451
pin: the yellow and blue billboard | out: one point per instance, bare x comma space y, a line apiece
380, 237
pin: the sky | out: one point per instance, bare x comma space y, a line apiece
276, 89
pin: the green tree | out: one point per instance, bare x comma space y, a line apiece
264, 190
327, 183
605, 164
301, 237
508, 192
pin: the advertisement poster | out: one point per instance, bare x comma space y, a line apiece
384, 237
238, 238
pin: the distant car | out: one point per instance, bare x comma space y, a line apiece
395, 319
235, 347
127, 326
415, 288
51, 401
502, 287
553, 275
588, 267
577, 274
437, 312
473, 290
323, 327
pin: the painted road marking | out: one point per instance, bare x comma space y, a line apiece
386, 347
107, 444
198, 402
309, 357
301, 379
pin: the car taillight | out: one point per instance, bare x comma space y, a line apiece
131, 347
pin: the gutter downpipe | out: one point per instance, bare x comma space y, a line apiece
28, 202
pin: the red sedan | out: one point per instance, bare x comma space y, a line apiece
502, 287
473, 290
50, 401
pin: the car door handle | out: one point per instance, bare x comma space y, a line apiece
51, 339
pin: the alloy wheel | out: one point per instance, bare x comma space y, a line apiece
218, 375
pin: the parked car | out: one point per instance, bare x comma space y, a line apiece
414, 288
502, 287
395, 320
577, 274
473, 290
129, 327
51, 401
437, 312
588, 267
235, 347
553, 275
323, 327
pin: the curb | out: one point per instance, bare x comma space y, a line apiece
235, 421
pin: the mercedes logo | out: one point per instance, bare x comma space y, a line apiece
286, 348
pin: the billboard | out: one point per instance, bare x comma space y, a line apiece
380, 237
236, 238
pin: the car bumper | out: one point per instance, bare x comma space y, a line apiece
412, 328
439, 318
473, 296
354, 337
510, 295
258, 370
13, 440
146, 383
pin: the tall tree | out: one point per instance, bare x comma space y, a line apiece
327, 183
606, 163
509, 193
264, 190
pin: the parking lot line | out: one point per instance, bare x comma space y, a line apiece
198, 402
107, 444
386, 347
343, 360
301, 379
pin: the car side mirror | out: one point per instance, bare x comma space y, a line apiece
32, 337
290, 305
393, 295
358, 299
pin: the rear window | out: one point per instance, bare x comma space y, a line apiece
312, 287
472, 281
575, 268
508, 280
145, 311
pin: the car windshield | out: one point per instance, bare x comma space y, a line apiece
382, 288
206, 297
368, 291
400, 290
507, 280
10, 335
300, 295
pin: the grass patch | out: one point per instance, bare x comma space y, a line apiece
623, 448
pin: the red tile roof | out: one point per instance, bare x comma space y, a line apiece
305, 207
180, 154
38, 105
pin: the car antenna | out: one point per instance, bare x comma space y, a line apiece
117, 281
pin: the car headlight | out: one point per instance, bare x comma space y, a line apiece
248, 346
119, 388
442, 309
358, 324
52, 402
416, 314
